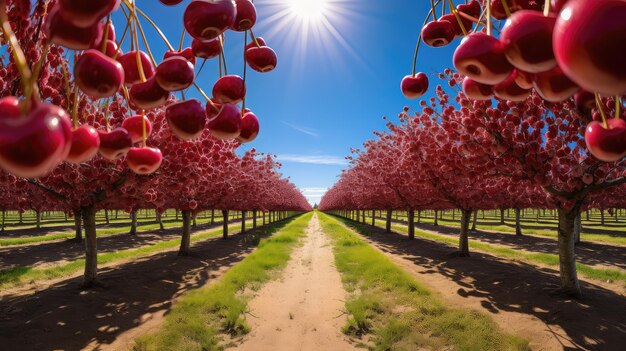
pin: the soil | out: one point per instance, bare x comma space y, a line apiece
304, 310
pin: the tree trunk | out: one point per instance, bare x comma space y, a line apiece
78, 226
3, 219
388, 223
21, 217
225, 224
501, 216
212, 217
474, 221
567, 254
436, 223
518, 227
601, 217
194, 221
453, 212
411, 220
578, 228
373, 218
587, 214
185, 241
88, 215
243, 222
133, 222
106, 216
177, 215
263, 217
464, 236
253, 219
160, 220
38, 219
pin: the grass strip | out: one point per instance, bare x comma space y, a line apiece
198, 318
398, 312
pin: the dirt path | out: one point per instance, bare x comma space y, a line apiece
514, 294
303, 310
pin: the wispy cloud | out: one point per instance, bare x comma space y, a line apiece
313, 194
308, 131
313, 159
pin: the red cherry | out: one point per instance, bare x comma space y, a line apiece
589, 39
249, 128
186, 119
554, 86
207, 19
148, 94
451, 18
134, 126
144, 160
229, 90
171, 2
438, 33
246, 15
186, 53
252, 44
31, 145
527, 40
226, 124
477, 91
557, 5
523, 79
61, 31
114, 144
107, 28
111, 49
261, 59
585, 101
175, 73
607, 144
85, 13
85, 144
206, 49
481, 57
97, 75
472, 8
414, 86
10, 108
509, 90
131, 69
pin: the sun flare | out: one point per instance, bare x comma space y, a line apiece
308, 9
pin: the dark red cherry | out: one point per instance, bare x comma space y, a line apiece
589, 44
414, 86
472, 8
207, 19
226, 125
175, 73
111, 49
186, 53
186, 119
148, 94
585, 101
86, 13
114, 144
229, 90
10, 108
481, 57
455, 23
144, 160
249, 128
438, 33
523, 79
85, 144
246, 15
206, 49
131, 68
527, 40
33, 144
477, 91
554, 85
61, 31
607, 144
108, 29
509, 90
97, 75
261, 59
134, 126
170, 2
252, 43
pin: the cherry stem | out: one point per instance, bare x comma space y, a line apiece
208, 100
254, 38
103, 48
119, 48
471, 18
106, 114
158, 30
546, 8
458, 18
39, 64
66, 79
507, 10
143, 128
245, 69
75, 107
432, 8
599, 105
618, 106
182, 40
419, 39
488, 17
145, 43
221, 38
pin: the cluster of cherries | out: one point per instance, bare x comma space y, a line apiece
561, 49
36, 136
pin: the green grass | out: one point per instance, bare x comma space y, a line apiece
398, 312
198, 319
20, 275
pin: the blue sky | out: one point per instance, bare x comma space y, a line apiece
331, 87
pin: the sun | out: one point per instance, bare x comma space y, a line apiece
308, 9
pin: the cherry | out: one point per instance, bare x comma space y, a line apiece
207, 19
175, 73
246, 15
85, 144
206, 49
252, 44
554, 85
472, 8
148, 94
186, 119
111, 49
477, 91
61, 31
261, 59
414, 86
134, 126
131, 69
585, 101
557, 5
523, 79
170, 2
32, 144
86, 13
527, 40
589, 39
510, 90
186, 53
607, 144
451, 18
10, 108
97, 75
438, 33
229, 89
249, 128
144, 160
481, 57
114, 144
226, 124
110, 34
